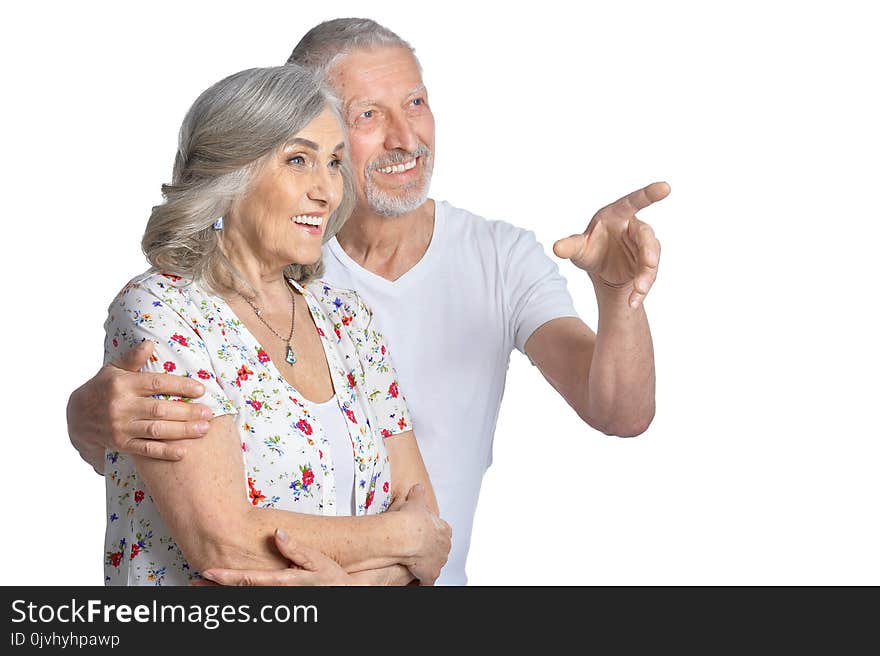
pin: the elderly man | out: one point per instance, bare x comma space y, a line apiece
453, 292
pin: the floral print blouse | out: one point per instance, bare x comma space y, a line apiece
288, 462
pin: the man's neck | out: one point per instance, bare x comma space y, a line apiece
388, 247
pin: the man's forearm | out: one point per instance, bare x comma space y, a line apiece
91, 452
620, 389
94, 456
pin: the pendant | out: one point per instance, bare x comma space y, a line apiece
291, 358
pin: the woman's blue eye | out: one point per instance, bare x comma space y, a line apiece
367, 114
335, 163
297, 159
418, 101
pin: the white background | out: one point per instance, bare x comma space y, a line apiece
761, 465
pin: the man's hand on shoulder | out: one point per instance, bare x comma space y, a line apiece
117, 410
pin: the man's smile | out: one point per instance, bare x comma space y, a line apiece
399, 168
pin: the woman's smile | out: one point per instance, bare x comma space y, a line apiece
312, 224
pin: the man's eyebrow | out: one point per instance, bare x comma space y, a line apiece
371, 101
339, 146
364, 101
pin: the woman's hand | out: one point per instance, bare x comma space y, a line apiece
429, 537
308, 567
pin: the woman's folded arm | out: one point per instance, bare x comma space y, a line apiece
203, 501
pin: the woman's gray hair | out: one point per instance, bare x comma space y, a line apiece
328, 42
224, 139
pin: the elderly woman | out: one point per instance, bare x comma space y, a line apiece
310, 431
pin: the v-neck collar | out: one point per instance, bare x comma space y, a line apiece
414, 274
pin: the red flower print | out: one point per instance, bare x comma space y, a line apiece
350, 415
304, 426
242, 374
338, 334
383, 349
256, 405
308, 477
138, 496
262, 356
115, 343
116, 558
392, 390
386, 432
402, 423
351, 382
135, 550
346, 321
180, 339
369, 501
320, 454
204, 375
243, 446
320, 332
385, 487
171, 277
255, 494
169, 366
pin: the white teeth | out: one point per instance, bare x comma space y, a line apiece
307, 220
399, 168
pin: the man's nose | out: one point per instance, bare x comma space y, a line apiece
400, 135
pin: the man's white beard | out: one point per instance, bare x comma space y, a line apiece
385, 204
388, 205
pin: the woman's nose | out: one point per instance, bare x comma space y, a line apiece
319, 190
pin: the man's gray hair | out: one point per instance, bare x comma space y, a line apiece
225, 137
328, 42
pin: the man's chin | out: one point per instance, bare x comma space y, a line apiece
394, 210
388, 204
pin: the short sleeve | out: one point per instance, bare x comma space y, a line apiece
141, 312
535, 290
380, 382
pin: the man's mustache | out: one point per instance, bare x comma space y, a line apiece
399, 157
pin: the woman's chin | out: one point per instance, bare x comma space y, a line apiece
306, 260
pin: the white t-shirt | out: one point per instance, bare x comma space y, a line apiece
452, 321
342, 451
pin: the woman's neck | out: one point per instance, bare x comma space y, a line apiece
267, 281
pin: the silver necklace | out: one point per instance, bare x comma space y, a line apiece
291, 358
